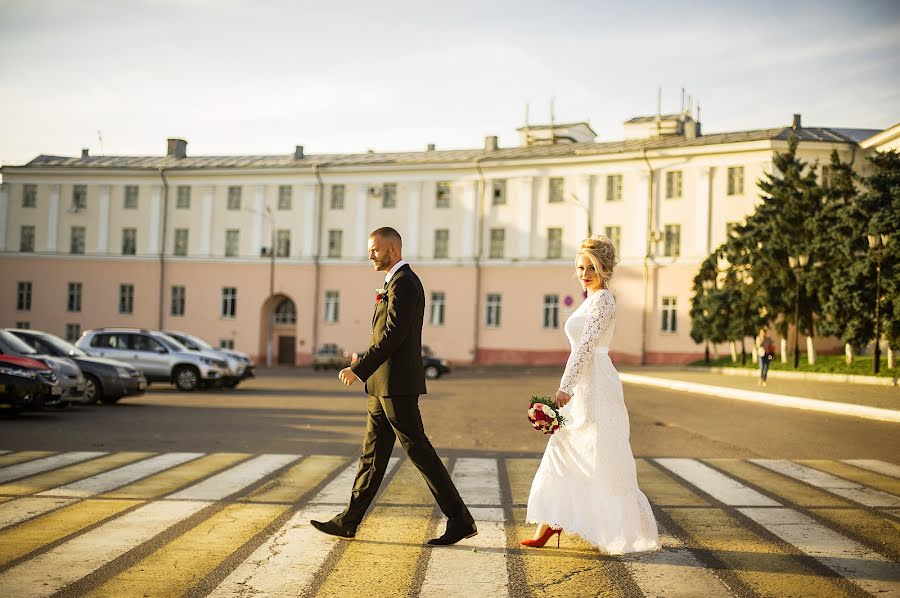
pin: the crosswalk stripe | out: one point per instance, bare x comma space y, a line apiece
177, 477
868, 569
865, 477
229, 481
476, 480
663, 490
22, 456
338, 491
64, 475
296, 481
407, 487
788, 489
25, 538
53, 570
835, 485
29, 468
877, 466
21, 509
191, 556
717, 485
116, 478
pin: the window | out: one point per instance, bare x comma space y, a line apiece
492, 310
557, 189
335, 243
673, 184
26, 239
129, 241
389, 195
76, 240
551, 311
181, 241
286, 312
554, 243
226, 343
442, 195
234, 198
232, 242
337, 197
669, 317
614, 187
498, 242
176, 306
441, 243
615, 235
79, 197
332, 306
436, 317
126, 298
73, 302
672, 246
145, 343
736, 180
285, 197
498, 192
23, 325
131, 197
73, 332
730, 229
183, 198
229, 302
23, 296
283, 243
826, 176
29, 196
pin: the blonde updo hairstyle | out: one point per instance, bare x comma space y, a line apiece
602, 253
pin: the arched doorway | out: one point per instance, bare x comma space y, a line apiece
278, 342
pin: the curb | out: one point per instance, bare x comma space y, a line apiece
817, 376
849, 409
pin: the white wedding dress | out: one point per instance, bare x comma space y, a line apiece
587, 482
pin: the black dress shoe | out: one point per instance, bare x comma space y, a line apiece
333, 529
455, 532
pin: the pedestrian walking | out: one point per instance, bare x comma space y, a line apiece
766, 354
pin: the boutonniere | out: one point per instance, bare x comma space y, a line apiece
380, 295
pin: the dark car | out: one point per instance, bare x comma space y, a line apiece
26, 385
106, 380
435, 367
68, 375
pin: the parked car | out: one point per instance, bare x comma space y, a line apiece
330, 356
435, 367
26, 384
68, 374
107, 380
240, 367
157, 355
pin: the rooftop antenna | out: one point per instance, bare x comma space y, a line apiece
552, 121
527, 126
682, 100
659, 111
698, 110
100, 139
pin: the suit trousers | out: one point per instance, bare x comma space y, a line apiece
390, 418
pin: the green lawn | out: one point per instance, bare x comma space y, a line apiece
832, 364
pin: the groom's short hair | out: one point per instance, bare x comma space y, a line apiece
388, 234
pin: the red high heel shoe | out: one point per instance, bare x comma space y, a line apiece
548, 533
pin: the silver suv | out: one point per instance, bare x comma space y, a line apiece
159, 356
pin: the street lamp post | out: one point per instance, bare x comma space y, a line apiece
744, 277
797, 264
876, 244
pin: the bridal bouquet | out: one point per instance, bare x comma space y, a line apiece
543, 413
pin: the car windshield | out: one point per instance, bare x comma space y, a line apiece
185, 340
200, 342
15, 344
63, 346
170, 343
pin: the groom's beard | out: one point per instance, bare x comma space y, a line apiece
382, 264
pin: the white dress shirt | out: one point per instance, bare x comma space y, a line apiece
389, 275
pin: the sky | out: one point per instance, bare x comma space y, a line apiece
261, 76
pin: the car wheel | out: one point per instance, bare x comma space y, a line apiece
432, 372
93, 390
187, 378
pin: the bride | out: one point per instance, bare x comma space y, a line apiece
587, 483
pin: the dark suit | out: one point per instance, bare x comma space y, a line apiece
394, 376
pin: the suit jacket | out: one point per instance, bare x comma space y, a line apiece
392, 366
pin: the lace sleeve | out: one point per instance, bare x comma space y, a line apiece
600, 314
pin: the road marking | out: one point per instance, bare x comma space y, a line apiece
868, 569
22, 456
407, 487
116, 478
296, 481
716, 484
21, 509
47, 573
191, 556
21, 470
888, 469
178, 477
476, 480
520, 473
864, 477
830, 483
338, 491
64, 475
231, 480
789, 489
663, 490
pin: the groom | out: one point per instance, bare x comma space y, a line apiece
394, 377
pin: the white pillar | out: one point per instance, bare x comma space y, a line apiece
206, 222
309, 221
733, 346
362, 222
468, 245
848, 353
583, 195
642, 191
411, 234
890, 357
784, 350
153, 238
4, 205
525, 208
103, 220
259, 209
53, 219
703, 210
810, 351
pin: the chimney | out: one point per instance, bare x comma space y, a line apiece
85, 153
298, 152
176, 148
796, 124
490, 143
430, 147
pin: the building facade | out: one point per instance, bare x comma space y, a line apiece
268, 254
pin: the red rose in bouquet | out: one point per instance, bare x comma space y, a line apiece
543, 413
